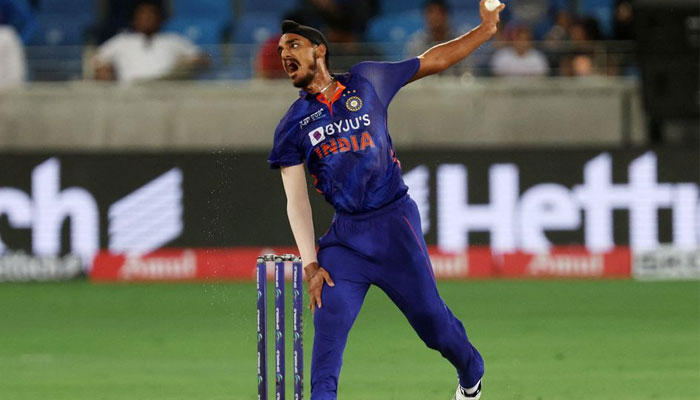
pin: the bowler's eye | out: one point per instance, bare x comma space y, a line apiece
295, 45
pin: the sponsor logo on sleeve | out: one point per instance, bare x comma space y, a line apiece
317, 136
311, 118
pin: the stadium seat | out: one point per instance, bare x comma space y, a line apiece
276, 7
588, 4
54, 63
465, 20
206, 34
392, 31
71, 7
466, 6
220, 11
60, 29
198, 30
387, 7
253, 28
560, 4
394, 28
470, 8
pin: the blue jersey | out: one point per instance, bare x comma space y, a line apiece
345, 141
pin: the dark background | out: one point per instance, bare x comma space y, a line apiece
234, 199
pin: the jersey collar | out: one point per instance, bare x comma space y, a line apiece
342, 80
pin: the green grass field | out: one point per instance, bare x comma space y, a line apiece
540, 340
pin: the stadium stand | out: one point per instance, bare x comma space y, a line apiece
252, 29
392, 31
205, 22
602, 11
466, 5
68, 7
245, 24
465, 20
274, 7
387, 7
62, 27
220, 11
255, 27
198, 30
56, 30
206, 34
63, 22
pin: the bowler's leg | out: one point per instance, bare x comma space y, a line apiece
408, 280
341, 304
441, 331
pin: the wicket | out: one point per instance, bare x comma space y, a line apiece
280, 262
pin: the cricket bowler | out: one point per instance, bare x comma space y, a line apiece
338, 129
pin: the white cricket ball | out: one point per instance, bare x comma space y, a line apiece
492, 4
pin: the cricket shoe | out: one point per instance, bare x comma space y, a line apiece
468, 394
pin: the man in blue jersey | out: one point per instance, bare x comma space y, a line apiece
338, 128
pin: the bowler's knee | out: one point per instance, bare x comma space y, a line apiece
333, 316
432, 330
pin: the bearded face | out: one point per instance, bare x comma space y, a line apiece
299, 59
302, 81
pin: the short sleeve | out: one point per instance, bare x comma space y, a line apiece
108, 51
387, 77
285, 151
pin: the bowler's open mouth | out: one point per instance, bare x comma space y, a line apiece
291, 66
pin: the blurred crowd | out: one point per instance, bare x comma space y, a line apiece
133, 40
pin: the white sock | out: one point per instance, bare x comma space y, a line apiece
472, 390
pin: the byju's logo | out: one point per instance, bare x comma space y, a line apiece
139, 223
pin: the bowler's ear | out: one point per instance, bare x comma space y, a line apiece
321, 51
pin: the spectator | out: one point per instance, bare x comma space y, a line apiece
13, 67
559, 32
436, 14
623, 23
624, 30
268, 64
18, 14
437, 28
521, 58
146, 53
581, 61
587, 29
558, 40
582, 65
117, 17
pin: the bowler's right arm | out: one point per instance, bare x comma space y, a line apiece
301, 222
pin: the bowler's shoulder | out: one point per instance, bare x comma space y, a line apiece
293, 115
359, 69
